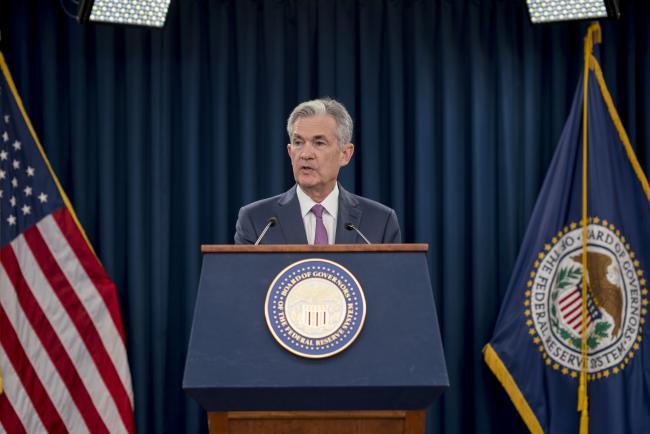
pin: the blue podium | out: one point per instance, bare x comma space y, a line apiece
239, 369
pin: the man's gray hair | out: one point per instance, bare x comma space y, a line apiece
324, 106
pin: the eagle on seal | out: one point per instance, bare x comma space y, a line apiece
606, 295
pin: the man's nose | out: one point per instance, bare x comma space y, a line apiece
307, 152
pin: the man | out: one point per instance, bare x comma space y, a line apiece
317, 210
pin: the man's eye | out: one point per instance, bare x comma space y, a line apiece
297, 143
321, 143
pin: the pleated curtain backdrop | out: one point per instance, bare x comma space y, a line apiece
159, 136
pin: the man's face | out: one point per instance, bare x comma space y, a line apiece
315, 155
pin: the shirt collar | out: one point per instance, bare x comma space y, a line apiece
330, 203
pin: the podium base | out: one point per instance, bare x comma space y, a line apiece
317, 422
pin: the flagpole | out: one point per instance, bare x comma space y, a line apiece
593, 36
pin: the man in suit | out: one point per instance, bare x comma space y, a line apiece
318, 210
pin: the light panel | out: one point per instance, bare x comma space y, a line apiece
148, 13
546, 11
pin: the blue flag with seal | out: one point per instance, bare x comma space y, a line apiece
570, 344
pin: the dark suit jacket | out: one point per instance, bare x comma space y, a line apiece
376, 221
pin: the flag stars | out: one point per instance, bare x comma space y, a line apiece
3, 155
7, 119
14, 182
573, 225
29, 171
565, 370
16, 164
12, 201
573, 374
26, 209
3, 174
16, 145
11, 220
547, 247
5, 136
42, 197
28, 191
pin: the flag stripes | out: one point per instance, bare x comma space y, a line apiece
10, 421
25, 371
65, 319
88, 279
50, 341
93, 269
88, 332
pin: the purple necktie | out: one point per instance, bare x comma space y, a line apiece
321, 232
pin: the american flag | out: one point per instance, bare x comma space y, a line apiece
571, 307
62, 349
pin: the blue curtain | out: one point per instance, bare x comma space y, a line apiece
159, 136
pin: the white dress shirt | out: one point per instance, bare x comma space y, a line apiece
331, 205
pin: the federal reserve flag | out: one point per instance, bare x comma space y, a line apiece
62, 352
537, 349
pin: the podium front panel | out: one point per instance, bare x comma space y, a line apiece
235, 364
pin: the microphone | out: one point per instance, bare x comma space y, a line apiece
350, 227
270, 222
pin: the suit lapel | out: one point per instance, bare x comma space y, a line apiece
349, 212
289, 218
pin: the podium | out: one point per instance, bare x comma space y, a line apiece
381, 383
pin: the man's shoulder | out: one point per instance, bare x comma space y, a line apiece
269, 202
261, 206
366, 204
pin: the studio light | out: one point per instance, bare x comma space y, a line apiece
548, 11
147, 13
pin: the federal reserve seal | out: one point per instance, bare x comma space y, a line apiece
315, 308
616, 301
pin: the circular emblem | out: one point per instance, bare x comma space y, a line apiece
315, 308
616, 301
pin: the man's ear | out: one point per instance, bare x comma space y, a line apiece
289, 150
346, 154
